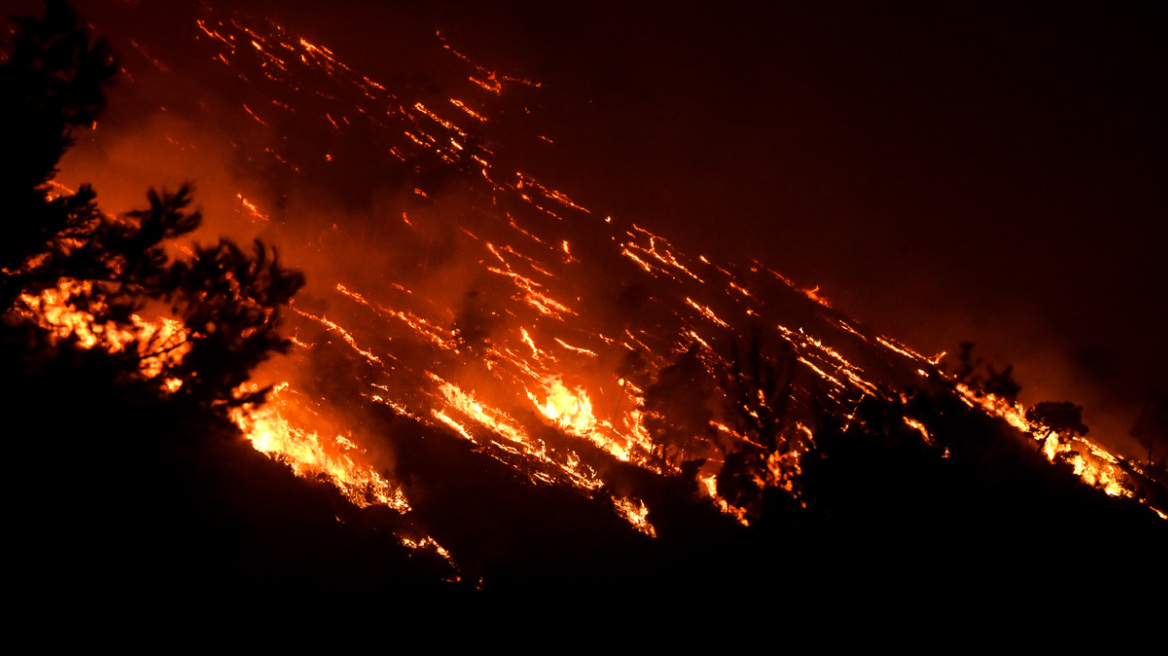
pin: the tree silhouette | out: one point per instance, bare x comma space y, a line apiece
1151, 425
1061, 418
757, 392
223, 303
967, 365
678, 406
1002, 383
52, 82
998, 383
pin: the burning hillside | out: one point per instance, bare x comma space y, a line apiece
499, 369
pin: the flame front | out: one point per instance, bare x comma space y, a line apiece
311, 456
1090, 462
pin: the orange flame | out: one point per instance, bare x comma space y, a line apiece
1092, 463
309, 455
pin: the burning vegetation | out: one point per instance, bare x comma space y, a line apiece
531, 393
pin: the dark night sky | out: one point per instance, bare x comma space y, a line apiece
946, 172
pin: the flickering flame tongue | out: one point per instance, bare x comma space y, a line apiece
571, 410
312, 456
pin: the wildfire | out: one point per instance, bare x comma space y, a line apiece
1090, 462
637, 514
157, 345
503, 425
569, 409
253, 211
543, 352
345, 335
710, 485
311, 456
265, 427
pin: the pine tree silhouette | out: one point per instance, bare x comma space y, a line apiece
227, 300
